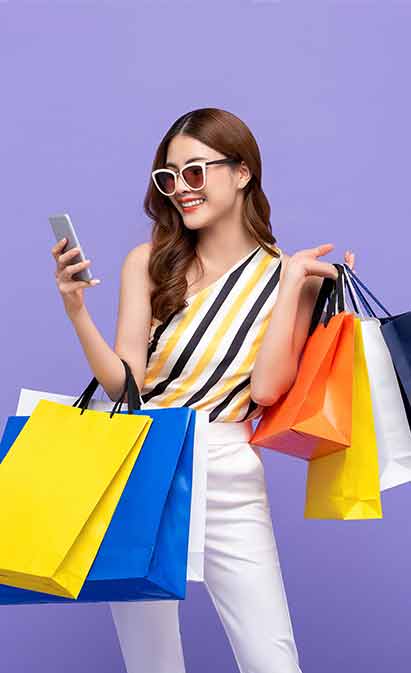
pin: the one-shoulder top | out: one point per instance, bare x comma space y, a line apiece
202, 356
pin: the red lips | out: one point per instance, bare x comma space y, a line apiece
194, 198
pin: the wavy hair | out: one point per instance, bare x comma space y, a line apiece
173, 248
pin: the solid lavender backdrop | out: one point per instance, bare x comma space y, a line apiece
88, 90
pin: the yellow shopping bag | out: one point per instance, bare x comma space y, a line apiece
345, 485
60, 484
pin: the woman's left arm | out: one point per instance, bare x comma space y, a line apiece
276, 365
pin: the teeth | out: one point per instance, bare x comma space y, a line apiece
188, 204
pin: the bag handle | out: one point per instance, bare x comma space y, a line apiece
325, 292
363, 300
130, 386
355, 289
336, 302
331, 291
356, 299
359, 284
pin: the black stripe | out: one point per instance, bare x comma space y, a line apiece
157, 334
200, 331
251, 407
226, 401
238, 338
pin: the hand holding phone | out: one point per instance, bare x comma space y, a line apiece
72, 273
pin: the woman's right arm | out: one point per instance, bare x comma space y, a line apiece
133, 320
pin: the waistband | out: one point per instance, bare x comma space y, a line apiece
224, 433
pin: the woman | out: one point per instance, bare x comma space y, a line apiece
213, 315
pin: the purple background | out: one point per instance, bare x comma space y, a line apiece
88, 90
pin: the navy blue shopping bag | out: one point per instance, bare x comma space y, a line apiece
143, 555
396, 330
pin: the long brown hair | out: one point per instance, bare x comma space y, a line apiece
174, 245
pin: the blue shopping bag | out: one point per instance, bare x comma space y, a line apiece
143, 555
396, 330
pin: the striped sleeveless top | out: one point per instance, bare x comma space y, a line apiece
202, 356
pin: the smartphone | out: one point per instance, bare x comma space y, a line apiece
64, 228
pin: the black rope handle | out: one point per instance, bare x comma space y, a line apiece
130, 387
327, 296
336, 303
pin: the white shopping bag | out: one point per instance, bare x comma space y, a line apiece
195, 562
390, 419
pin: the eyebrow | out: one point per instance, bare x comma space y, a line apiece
170, 163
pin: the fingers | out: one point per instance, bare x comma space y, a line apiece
67, 287
349, 258
58, 247
65, 271
60, 258
325, 248
323, 269
66, 256
70, 269
320, 250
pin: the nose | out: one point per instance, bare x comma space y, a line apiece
179, 182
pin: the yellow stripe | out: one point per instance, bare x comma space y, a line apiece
224, 324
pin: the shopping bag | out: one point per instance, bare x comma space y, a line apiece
314, 417
345, 485
139, 559
144, 552
396, 330
390, 418
195, 561
60, 484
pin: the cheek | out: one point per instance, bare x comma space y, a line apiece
220, 197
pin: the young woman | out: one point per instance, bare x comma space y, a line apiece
212, 315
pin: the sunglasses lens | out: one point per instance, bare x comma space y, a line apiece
193, 175
165, 181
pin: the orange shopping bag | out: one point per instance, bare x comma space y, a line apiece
314, 417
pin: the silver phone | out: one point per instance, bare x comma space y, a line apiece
64, 228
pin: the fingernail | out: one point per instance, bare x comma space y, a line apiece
96, 281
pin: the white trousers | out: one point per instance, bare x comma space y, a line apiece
242, 573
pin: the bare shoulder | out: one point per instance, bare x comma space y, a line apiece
140, 252
136, 261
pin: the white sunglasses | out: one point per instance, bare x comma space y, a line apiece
193, 175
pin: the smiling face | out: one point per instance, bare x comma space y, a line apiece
224, 183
